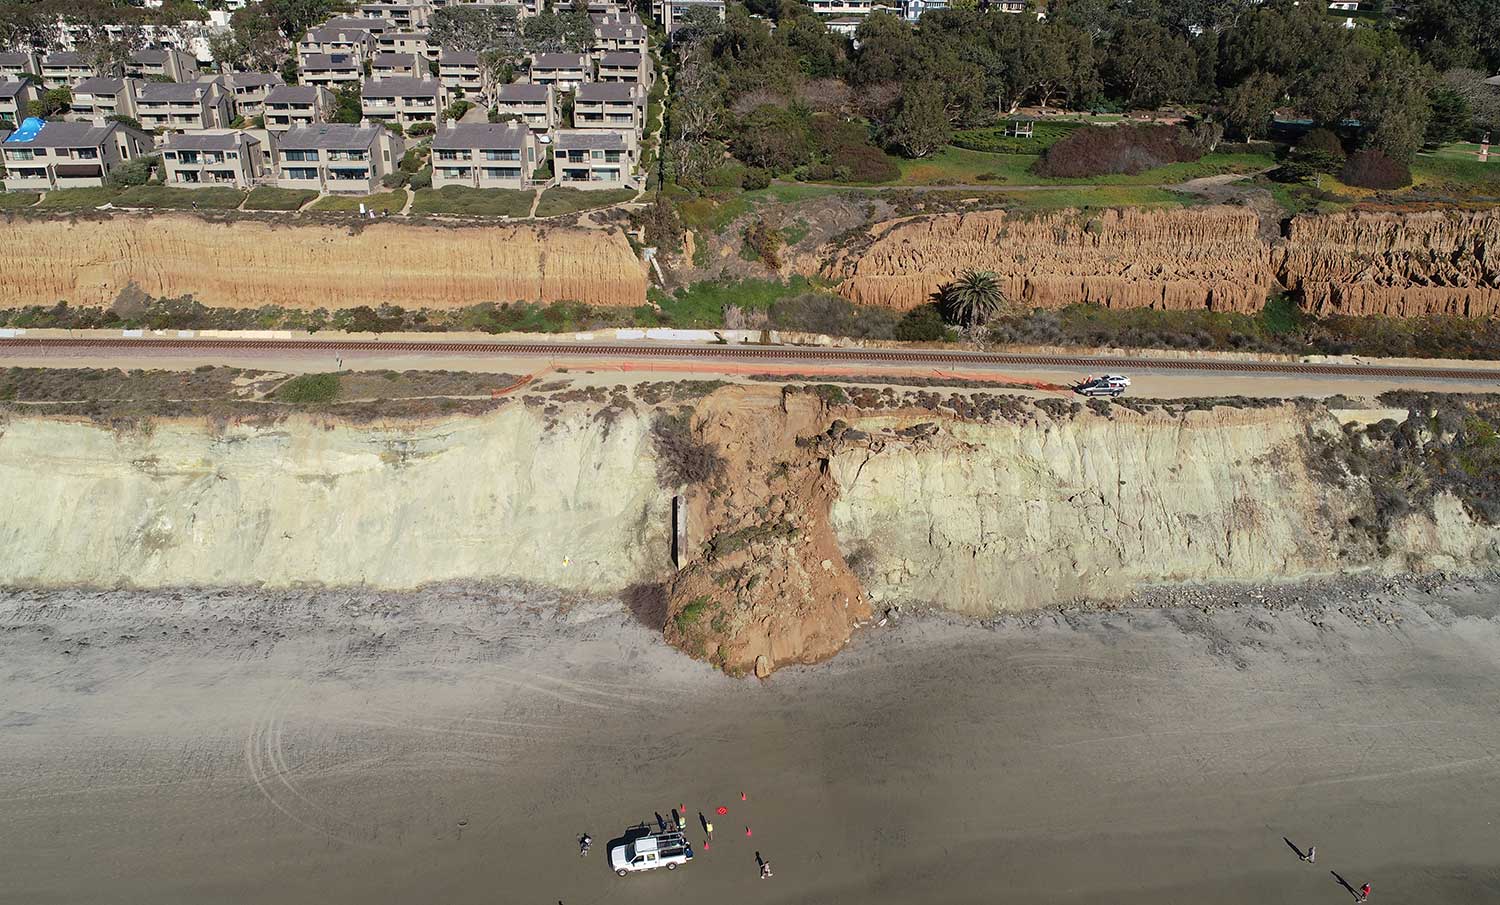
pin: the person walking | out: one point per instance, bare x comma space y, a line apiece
1312, 855
1364, 892
765, 870
584, 842
708, 827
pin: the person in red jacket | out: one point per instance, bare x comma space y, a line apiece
1364, 892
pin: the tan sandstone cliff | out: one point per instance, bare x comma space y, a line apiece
1398, 264
1208, 257
252, 263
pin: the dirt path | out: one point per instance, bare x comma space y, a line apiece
340, 747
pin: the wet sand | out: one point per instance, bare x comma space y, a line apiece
450, 746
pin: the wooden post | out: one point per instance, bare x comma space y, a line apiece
679, 532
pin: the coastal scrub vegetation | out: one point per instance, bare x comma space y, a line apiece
683, 458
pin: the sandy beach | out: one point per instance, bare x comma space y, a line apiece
449, 746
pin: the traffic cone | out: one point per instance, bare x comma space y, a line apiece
706, 846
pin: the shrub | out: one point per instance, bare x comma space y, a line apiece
130, 121
764, 240
422, 179
817, 313
421, 129
457, 109
395, 180
1106, 150
847, 154
683, 458
309, 389
921, 324
411, 161
1371, 169
134, 172
659, 221
755, 178
775, 138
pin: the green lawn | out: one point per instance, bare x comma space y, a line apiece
381, 201
561, 200
456, 199
953, 166
701, 305
161, 196
713, 213
271, 198
14, 201
78, 199
1456, 165
994, 139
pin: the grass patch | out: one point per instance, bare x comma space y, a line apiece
560, 200
218, 197
271, 198
690, 613
954, 165
78, 199
702, 305
15, 201
309, 389
457, 199
1048, 199
390, 202
713, 212
994, 139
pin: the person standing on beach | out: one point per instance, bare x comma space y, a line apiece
1312, 855
1364, 892
708, 827
765, 870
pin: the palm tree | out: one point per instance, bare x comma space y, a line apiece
971, 299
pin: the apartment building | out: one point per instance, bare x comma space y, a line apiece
670, 12
398, 65
330, 70
912, 10
375, 25
594, 158
404, 15
406, 42
484, 155
462, 74
15, 97
619, 37
625, 66
190, 107
65, 69
565, 71
290, 106
612, 105
403, 101
103, 97
247, 90
536, 105
162, 63
15, 65
63, 155
326, 41
337, 157
215, 157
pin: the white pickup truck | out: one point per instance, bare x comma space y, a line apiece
645, 850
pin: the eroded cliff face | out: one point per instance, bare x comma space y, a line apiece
252, 263
1208, 257
823, 509
505, 496
1398, 264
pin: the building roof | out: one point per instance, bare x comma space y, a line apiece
400, 86
616, 32
594, 92
457, 136
590, 140
63, 58
386, 59
172, 92
55, 134
558, 61
329, 135
149, 55
14, 59
293, 94
340, 61
458, 57
403, 36
11, 89
521, 91
620, 58
254, 79
367, 23
99, 85
216, 140
329, 34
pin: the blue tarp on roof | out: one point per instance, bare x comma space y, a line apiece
30, 127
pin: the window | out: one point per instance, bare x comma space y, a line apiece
301, 173
502, 172
301, 155
502, 154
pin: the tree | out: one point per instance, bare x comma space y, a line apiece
50, 103
476, 28
294, 17
919, 123
346, 105
1451, 117
773, 137
1148, 65
971, 299
253, 41
1397, 105
105, 49
699, 25
1248, 105
557, 32
1482, 100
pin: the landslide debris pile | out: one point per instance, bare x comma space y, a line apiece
1405, 264
1398, 264
254, 263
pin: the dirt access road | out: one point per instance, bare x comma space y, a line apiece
449, 746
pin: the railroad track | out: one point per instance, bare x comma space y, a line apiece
809, 354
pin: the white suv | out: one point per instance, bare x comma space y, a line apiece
1107, 385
